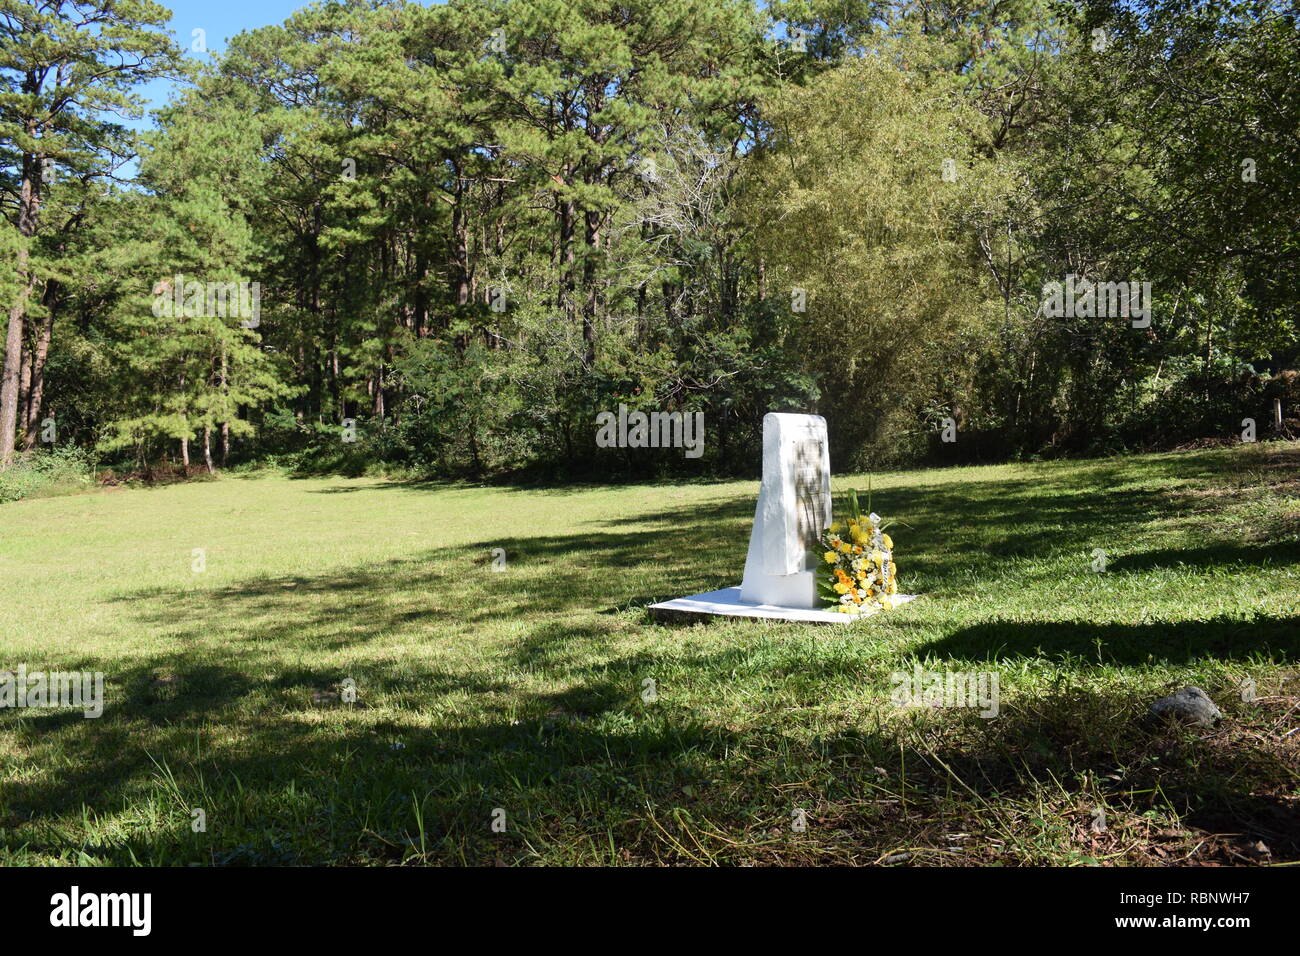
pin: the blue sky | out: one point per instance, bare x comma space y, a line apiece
220, 19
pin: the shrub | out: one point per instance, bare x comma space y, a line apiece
61, 471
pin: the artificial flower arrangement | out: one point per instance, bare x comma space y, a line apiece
857, 573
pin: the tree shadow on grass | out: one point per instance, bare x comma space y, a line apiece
557, 488
940, 530
284, 781
700, 549
1082, 749
229, 710
1272, 554
1181, 642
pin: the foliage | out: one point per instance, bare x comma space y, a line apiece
63, 469
476, 226
856, 219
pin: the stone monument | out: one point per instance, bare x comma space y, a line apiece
794, 507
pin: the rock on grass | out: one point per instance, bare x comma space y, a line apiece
1190, 705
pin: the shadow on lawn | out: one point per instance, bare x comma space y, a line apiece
229, 709
1219, 556
1232, 786
284, 780
1223, 638
591, 765
941, 529
280, 787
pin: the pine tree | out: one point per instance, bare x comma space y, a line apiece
64, 66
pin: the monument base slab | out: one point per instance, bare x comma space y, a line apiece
727, 603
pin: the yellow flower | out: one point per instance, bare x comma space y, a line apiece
886, 602
845, 547
835, 527
889, 542
830, 557
878, 557
893, 588
841, 588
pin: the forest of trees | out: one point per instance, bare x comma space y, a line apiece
470, 228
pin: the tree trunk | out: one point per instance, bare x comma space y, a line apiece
11, 376
592, 300
340, 406
460, 265
225, 405
28, 213
24, 380
207, 449
564, 297
420, 305
40, 353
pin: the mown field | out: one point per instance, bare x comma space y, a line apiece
522, 691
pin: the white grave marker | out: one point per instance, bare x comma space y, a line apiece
794, 507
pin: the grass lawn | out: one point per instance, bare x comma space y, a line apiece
522, 690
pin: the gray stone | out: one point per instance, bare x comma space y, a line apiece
1190, 705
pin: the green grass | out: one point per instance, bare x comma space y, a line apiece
522, 690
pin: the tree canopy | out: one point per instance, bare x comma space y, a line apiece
462, 231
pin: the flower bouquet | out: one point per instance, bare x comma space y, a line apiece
858, 573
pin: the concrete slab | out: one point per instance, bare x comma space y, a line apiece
727, 603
